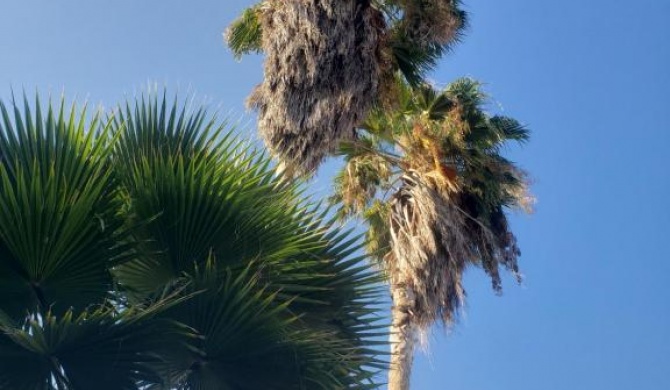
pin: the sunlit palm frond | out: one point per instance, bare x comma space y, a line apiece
222, 199
180, 177
152, 196
60, 227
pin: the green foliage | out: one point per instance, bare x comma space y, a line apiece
412, 61
154, 249
450, 128
99, 348
378, 235
60, 231
245, 34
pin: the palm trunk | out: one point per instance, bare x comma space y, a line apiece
402, 338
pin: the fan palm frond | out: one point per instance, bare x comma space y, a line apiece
244, 35
96, 348
60, 228
155, 249
214, 196
242, 331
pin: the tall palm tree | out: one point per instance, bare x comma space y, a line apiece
430, 180
328, 62
434, 156
152, 249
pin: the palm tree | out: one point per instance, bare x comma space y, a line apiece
430, 180
152, 249
328, 62
424, 167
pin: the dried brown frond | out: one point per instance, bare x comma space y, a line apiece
322, 71
435, 233
433, 21
424, 154
519, 192
389, 86
429, 250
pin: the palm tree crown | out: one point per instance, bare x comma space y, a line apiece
328, 62
153, 249
430, 180
424, 167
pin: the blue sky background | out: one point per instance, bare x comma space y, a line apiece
590, 78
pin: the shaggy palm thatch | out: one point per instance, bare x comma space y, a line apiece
435, 233
328, 61
321, 76
429, 250
449, 188
431, 183
433, 21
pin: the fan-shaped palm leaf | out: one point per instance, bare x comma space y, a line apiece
59, 225
212, 195
180, 261
98, 348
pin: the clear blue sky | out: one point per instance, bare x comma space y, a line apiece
590, 78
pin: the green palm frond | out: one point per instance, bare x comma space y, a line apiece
59, 223
180, 175
432, 104
468, 94
243, 332
236, 325
412, 61
508, 129
97, 348
155, 249
153, 126
244, 34
216, 196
